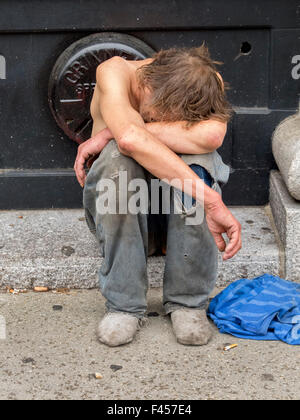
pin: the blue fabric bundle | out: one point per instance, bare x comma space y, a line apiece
265, 308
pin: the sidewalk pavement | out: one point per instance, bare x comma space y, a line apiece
51, 352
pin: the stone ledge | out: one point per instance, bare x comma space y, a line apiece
54, 248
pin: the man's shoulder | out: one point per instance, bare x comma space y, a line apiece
115, 63
113, 73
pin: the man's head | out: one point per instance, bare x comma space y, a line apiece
182, 84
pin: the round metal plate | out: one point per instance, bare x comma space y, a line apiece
73, 78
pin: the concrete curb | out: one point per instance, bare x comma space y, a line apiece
54, 248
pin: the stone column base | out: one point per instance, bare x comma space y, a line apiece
286, 213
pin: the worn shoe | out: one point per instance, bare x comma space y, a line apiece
117, 328
191, 326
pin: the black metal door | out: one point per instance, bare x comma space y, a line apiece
258, 41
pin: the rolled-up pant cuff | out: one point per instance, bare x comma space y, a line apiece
171, 307
139, 315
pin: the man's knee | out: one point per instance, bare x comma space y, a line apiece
106, 193
111, 162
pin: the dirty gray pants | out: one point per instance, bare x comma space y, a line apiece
191, 260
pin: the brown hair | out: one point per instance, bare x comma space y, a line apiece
185, 85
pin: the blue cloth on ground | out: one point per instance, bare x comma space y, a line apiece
265, 308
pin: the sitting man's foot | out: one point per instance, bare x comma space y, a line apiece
191, 326
117, 328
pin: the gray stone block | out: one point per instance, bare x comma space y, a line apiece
54, 248
286, 151
286, 214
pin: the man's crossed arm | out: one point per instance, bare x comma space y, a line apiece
203, 137
136, 140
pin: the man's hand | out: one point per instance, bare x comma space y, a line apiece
88, 152
220, 220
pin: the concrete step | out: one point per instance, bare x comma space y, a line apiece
54, 248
